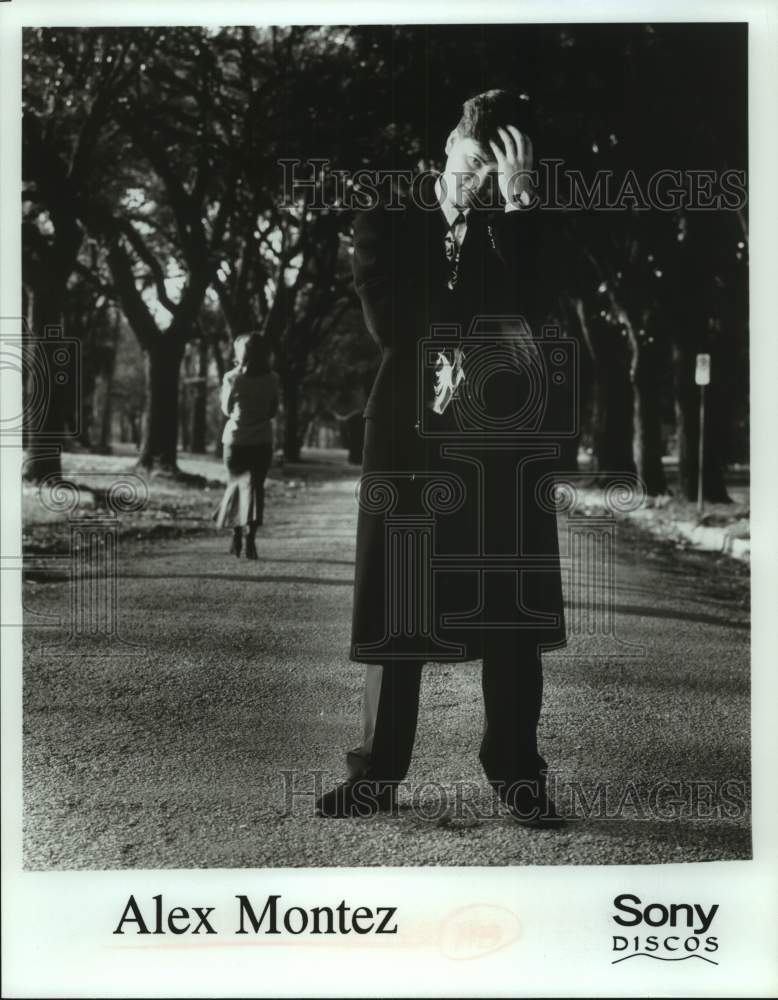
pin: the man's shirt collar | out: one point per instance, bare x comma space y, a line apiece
451, 212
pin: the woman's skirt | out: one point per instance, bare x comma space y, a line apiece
243, 502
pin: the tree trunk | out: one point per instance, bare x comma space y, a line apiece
109, 370
160, 432
44, 398
106, 416
292, 420
687, 412
612, 410
568, 455
184, 414
647, 440
199, 400
87, 401
220, 368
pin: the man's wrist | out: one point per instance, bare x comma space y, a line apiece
523, 200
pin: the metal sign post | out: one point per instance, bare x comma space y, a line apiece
701, 378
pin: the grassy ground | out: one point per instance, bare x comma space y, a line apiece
175, 509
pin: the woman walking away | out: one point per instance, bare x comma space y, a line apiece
249, 397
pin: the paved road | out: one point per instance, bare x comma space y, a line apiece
173, 756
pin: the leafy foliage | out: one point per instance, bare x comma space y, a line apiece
153, 180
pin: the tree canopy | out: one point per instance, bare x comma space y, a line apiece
153, 184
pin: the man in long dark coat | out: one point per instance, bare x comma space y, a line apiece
457, 551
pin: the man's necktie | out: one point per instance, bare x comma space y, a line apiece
449, 370
453, 246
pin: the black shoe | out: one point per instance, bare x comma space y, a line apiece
237, 541
356, 798
530, 805
251, 548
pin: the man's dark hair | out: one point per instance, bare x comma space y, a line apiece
483, 113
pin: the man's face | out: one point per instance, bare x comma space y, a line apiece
470, 172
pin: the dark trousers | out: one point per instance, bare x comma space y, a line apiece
512, 690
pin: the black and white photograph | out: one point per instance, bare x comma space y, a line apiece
382, 456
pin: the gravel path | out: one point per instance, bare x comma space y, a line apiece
172, 754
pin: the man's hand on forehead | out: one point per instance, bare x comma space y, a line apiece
514, 164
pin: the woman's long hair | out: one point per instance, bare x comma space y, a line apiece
252, 353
